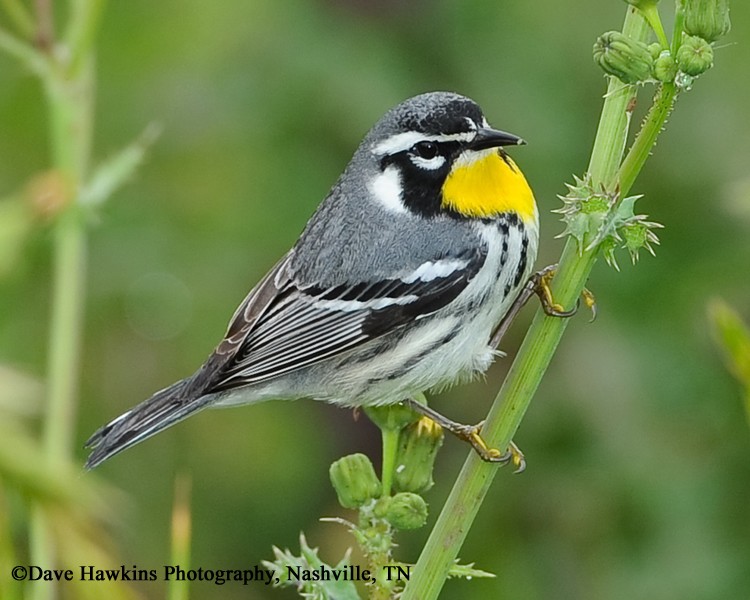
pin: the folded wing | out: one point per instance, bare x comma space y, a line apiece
297, 325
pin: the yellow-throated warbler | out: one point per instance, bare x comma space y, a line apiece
395, 286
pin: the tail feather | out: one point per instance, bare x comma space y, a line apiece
162, 410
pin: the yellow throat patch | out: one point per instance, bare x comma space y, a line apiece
488, 186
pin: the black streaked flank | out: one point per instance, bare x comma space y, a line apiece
522, 261
415, 360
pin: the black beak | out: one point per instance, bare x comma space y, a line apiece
493, 138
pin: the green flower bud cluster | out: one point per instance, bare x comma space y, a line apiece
358, 487
703, 22
706, 19
595, 218
410, 445
627, 59
664, 67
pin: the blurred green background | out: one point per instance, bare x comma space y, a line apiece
638, 483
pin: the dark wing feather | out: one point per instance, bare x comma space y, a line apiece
304, 325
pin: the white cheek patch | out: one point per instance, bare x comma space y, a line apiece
430, 164
386, 188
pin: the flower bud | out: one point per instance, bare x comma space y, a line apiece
634, 236
695, 55
392, 416
627, 59
353, 477
407, 511
665, 68
654, 50
708, 19
597, 203
417, 448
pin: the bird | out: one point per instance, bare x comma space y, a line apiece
422, 250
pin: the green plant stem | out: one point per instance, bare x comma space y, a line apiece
70, 102
81, 32
70, 105
390, 448
534, 356
679, 27
646, 139
651, 14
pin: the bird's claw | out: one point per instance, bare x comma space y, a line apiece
470, 434
551, 308
512, 455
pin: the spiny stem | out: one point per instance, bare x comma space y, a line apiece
533, 357
644, 142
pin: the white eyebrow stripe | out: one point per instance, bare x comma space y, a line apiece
403, 141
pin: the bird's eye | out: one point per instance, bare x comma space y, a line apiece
426, 150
